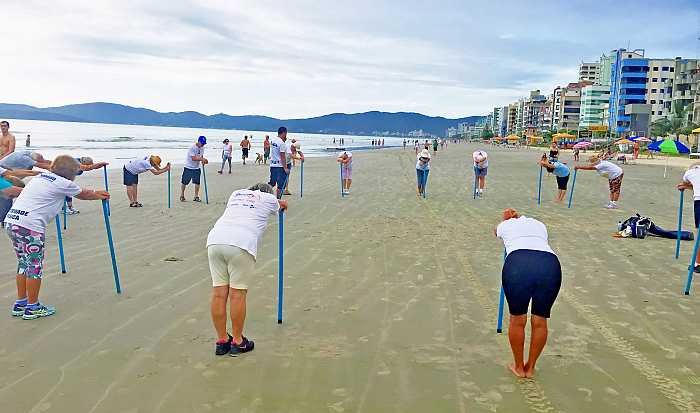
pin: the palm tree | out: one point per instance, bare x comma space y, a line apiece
674, 123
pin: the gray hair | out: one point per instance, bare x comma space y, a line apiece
262, 187
86, 160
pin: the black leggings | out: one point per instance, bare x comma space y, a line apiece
531, 275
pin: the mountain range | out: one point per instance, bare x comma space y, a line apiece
366, 123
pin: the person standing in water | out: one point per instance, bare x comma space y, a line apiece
481, 165
29, 141
245, 148
531, 273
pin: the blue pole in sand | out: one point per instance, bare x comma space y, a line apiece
680, 221
65, 215
206, 190
475, 182
501, 304
539, 187
110, 242
169, 185
301, 187
573, 185
342, 192
691, 267
60, 244
280, 272
104, 169
425, 182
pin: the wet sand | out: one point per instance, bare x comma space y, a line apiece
390, 300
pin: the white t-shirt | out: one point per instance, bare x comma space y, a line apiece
349, 164
523, 234
608, 169
277, 146
422, 166
244, 220
483, 159
692, 175
288, 152
193, 151
228, 148
40, 201
139, 166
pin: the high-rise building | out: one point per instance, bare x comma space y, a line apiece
555, 108
512, 118
593, 101
568, 109
533, 114
520, 116
628, 86
659, 87
684, 85
589, 72
605, 70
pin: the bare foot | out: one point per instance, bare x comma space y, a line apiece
529, 371
516, 371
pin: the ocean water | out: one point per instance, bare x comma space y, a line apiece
118, 144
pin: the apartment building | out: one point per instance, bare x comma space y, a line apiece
533, 113
589, 72
555, 108
512, 116
685, 85
594, 99
659, 87
568, 108
628, 86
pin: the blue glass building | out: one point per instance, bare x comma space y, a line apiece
628, 85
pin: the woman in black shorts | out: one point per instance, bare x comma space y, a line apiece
531, 272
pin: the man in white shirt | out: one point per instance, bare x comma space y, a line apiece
608, 169
691, 179
481, 165
131, 176
279, 172
232, 247
192, 171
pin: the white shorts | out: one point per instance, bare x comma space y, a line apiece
229, 265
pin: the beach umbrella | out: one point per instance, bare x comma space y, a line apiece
624, 142
696, 130
583, 145
668, 146
640, 139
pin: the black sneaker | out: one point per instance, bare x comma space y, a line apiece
224, 348
244, 347
696, 269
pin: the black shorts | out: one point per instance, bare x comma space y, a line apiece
245, 152
267, 153
191, 175
531, 275
130, 179
562, 181
696, 211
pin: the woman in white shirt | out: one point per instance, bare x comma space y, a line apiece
481, 166
531, 272
226, 156
422, 170
131, 176
614, 174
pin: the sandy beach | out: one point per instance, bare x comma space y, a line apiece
390, 300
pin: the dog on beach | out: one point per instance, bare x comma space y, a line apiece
259, 160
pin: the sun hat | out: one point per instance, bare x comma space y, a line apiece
424, 154
202, 140
155, 160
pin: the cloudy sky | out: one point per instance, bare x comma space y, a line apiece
301, 58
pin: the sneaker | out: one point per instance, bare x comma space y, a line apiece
39, 311
18, 309
225, 347
611, 206
244, 347
72, 211
696, 269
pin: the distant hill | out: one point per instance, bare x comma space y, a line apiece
366, 123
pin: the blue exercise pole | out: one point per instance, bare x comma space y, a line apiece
342, 190
104, 169
691, 267
573, 185
476, 179
280, 271
110, 242
206, 190
680, 222
539, 187
501, 304
60, 244
65, 215
301, 184
169, 186
425, 182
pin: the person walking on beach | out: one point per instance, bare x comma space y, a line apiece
28, 143
576, 154
415, 147
131, 176
38, 204
266, 149
192, 172
612, 171
531, 272
422, 169
691, 179
245, 148
226, 156
561, 172
481, 165
232, 246
635, 150
7, 140
86, 164
404, 143
553, 152
345, 160
435, 146
278, 161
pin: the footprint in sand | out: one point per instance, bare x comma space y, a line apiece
173, 259
588, 392
340, 392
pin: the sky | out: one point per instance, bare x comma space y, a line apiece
303, 58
